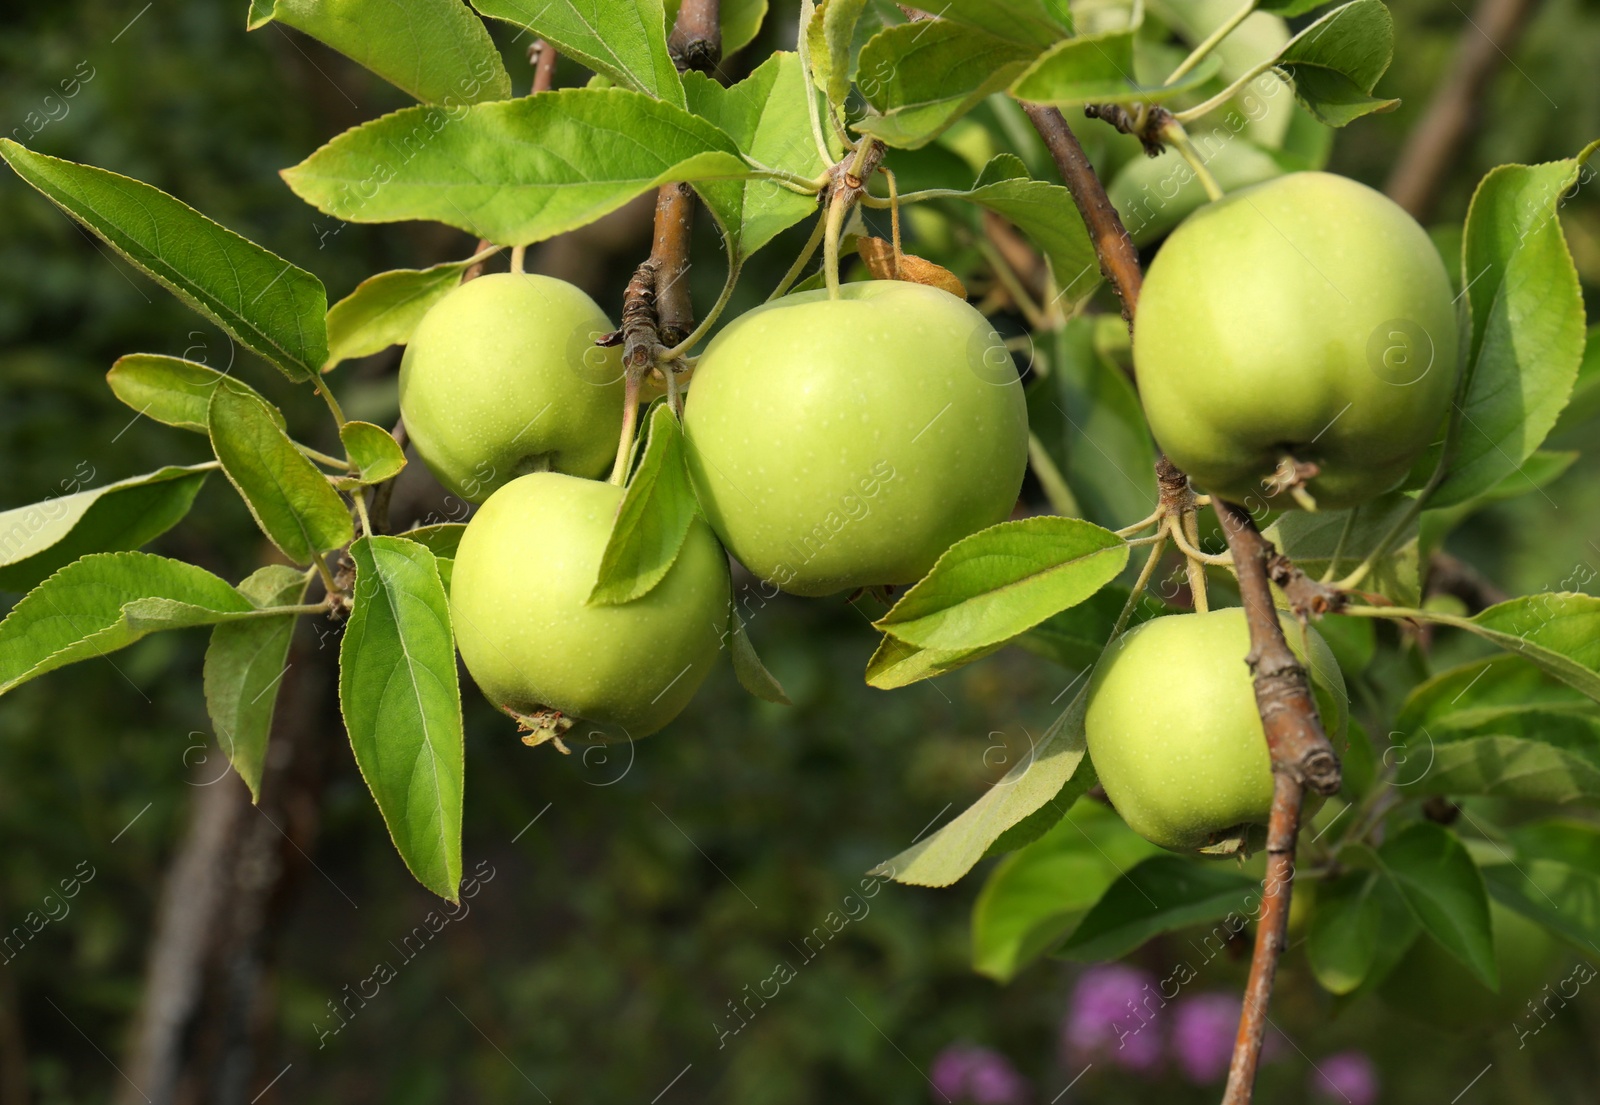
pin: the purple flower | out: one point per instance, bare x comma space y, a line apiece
980, 1075
1348, 1078
1203, 1028
1111, 1017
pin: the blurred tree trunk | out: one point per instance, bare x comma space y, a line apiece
205, 1020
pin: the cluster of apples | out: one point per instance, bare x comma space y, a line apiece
832, 444
839, 443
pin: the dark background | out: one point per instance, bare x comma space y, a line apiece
630, 900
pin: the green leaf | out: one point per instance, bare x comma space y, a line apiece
1087, 416
766, 115
1525, 312
1002, 581
104, 602
434, 50
1035, 897
38, 540
1036, 23
266, 304
1288, 9
1360, 931
514, 172
173, 391
1444, 889
828, 33
1311, 539
1099, 68
373, 450
921, 77
1501, 680
1345, 930
898, 664
402, 704
1161, 894
1053, 772
292, 502
1512, 767
1554, 879
1044, 212
1584, 405
752, 674
1557, 630
442, 540
657, 510
245, 664
625, 40
1335, 62
740, 19
384, 310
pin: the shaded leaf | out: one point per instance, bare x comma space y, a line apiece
104, 602
292, 502
1099, 68
921, 77
375, 453
37, 540
625, 40
384, 310
1557, 630
1001, 581
266, 304
1335, 62
1444, 889
898, 664
442, 540
1036, 896
245, 665
1035, 23
1311, 539
1054, 771
828, 33
1345, 930
1526, 318
752, 674
765, 114
174, 391
402, 704
1554, 879
514, 172
1161, 894
653, 519
434, 50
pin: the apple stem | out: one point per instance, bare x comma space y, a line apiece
517, 254
630, 422
807, 251
1209, 43
830, 242
1174, 134
1156, 549
1189, 525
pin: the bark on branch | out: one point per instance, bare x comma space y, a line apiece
1119, 259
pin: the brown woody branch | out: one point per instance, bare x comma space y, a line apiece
1119, 259
1437, 139
1301, 754
1301, 757
542, 56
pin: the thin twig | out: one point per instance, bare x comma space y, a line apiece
1438, 137
543, 57
1119, 259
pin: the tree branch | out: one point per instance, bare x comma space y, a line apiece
696, 39
1271, 930
1437, 139
1119, 259
542, 56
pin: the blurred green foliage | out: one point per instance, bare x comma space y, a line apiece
632, 900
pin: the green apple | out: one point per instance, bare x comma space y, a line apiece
518, 592
847, 443
502, 377
1308, 317
1173, 730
